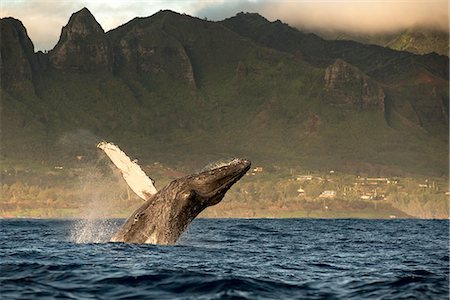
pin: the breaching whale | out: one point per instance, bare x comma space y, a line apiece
166, 213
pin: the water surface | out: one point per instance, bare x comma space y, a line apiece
229, 259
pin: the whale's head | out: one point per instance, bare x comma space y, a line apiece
209, 187
197, 191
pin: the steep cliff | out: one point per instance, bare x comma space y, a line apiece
82, 45
18, 60
142, 46
346, 85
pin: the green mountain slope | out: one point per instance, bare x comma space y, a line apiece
178, 89
415, 40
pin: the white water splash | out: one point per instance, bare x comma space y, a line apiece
94, 226
92, 231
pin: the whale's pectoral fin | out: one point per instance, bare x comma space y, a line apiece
138, 181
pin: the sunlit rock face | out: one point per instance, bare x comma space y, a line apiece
82, 45
346, 85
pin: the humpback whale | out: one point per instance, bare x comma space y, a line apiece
166, 213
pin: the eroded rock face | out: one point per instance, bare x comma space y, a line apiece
348, 86
82, 45
151, 51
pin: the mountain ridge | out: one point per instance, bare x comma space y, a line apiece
82, 34
416, 40
170, 82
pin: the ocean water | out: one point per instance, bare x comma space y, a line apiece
228, 259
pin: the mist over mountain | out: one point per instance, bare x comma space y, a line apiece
175, 88
414, 40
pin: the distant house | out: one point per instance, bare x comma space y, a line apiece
301, 192
379, 197
328, 194
372, 195
258, 170
304, 178
374, 181
378, 179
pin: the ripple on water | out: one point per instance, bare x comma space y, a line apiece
228, 259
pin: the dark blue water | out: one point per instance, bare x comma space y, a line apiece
231, 259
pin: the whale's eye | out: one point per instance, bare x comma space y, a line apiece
137, 216
186, 195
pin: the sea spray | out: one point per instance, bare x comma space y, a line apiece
101, 191
92, 230
99, 195
94, 227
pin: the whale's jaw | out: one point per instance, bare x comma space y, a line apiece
211, 185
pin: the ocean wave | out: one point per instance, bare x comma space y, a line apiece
230, 259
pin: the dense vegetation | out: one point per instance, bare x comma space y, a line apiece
415, 40
97, 190
185, 92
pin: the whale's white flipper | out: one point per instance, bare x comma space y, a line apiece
138, 181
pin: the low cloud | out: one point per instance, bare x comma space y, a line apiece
358, 16
44, 19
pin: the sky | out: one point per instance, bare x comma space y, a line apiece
45, 18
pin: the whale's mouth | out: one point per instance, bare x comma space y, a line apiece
211, 185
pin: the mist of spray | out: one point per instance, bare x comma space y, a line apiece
92, 230
94, 227
98, 186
